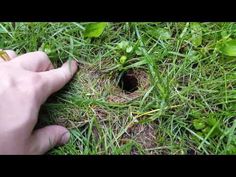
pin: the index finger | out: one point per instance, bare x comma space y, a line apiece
57, 78
34, 61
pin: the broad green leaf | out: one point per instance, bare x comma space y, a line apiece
94, 29
129, 49
123, 45
228, 48
196, 31
161, 33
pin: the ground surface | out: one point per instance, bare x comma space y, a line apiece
174, 94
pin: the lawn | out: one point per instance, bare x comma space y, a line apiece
142, 88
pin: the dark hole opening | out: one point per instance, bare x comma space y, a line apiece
128, 81
220, 106
179, 88
191, 152
194, 65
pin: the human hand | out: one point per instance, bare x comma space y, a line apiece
26, 82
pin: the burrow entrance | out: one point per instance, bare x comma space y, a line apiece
128, 81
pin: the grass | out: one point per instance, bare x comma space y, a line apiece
185, 103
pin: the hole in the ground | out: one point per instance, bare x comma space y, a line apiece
179, 88
191, 152
194, 65
220, 106
128, 81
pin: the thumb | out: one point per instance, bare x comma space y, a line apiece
48, 137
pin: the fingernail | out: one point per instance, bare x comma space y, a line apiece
74, 62
65, 137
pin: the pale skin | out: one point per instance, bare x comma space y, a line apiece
26, 81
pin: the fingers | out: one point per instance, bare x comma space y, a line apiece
48, 137
34, 61
57, 78
11, 55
